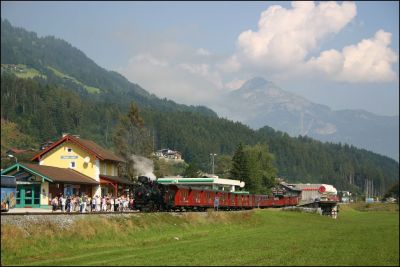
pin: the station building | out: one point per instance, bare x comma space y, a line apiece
69, 166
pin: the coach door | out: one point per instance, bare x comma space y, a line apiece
28, 195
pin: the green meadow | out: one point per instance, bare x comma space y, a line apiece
22, 71
90, 89
362, 235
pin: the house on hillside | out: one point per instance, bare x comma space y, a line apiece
169, 154
16, 151
69, 166
46, 144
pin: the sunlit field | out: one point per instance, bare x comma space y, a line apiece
360, 236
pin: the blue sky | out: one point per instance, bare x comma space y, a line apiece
192, 52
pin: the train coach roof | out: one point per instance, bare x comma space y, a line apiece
212, 190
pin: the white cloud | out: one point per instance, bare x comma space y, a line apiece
203, 52
229, 65
280, 49
368, 61
203, 70
234, 84
147, 58
185, 78
286, 36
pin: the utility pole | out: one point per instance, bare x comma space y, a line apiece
212, 159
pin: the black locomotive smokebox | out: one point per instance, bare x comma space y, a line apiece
143, 179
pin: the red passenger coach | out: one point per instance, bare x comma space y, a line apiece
188, 198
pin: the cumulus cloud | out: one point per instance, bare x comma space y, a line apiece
203, 52
186, 77
229, 65
204, 71
368, 61
286, 38
150, 59
234, 84
284, 47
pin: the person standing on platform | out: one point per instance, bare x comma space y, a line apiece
216, 203
62, 200
54, 203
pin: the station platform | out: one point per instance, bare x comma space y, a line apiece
30, 210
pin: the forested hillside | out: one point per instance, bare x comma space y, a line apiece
44, 111
67, 92
66, 65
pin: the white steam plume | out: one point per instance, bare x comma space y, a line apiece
143, 166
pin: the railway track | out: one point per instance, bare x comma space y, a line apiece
109, 213
67, 213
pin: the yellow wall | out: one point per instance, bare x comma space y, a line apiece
53, 158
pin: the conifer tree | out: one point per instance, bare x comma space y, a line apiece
132, 138
240, 168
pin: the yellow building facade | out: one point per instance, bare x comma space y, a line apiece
70, 166
85, 157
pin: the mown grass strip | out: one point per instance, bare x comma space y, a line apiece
257, 237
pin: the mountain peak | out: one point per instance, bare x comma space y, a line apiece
254, 83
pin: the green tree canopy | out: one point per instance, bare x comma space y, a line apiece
132, 138
191, 171
240, 165
261, 168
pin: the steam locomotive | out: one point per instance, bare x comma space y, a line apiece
152, 196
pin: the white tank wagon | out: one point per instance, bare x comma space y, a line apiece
321, 196
317, 192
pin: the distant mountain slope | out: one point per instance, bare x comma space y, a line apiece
259, 102
64, 64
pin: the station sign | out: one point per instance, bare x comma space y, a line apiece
69, 157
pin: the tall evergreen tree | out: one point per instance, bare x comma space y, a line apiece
132, 138
261, 168
240, 166
191, 171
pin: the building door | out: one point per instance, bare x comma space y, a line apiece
28, 195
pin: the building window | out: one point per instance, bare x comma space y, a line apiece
72, 164
104, 168
69, 150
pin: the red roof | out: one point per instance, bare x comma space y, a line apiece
61, 174
87, 145
17, 151
116, 179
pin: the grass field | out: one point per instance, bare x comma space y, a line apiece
22, 71
258, 237
90, 89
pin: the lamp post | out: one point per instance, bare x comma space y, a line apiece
212, 157
12, 156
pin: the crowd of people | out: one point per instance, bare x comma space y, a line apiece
85, 203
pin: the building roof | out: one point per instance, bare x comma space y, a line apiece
117, 179
87, 145
17, 151
105, 154
290, 186
203, 181
53, 174
61, 174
